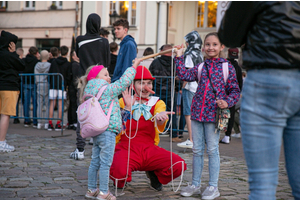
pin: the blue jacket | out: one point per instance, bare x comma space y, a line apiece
127, 53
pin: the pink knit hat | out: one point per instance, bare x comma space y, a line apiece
94, 72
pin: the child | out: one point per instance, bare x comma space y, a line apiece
42, 86
58, 65
204, 107
104, 144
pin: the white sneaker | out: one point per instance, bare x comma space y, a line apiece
210, 192
185, 144
77, 155
46, 126
4, 147
39, 126
190, 190
236, 135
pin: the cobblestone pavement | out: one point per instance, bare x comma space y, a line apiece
40, 168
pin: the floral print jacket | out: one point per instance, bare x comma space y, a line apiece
204, 105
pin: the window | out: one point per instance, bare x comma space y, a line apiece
126, 9
56, 5
29, 5
207, 14
46, 44
3, 5
19, 43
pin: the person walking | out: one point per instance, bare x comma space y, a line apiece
270, 108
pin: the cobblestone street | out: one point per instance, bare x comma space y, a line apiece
40, 168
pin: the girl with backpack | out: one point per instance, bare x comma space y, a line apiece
95, 78
212, 92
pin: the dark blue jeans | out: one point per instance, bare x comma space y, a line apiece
30, 93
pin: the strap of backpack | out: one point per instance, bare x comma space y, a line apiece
111, 105
101, 91
224, 67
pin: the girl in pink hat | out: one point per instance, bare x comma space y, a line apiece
104, 144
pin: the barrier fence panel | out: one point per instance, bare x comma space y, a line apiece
44, 95
162, 86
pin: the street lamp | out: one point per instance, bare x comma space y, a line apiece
113, 17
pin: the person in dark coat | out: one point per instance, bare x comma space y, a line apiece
113, 57
233, 53
59, 65
91, 49
10, 66
29, 86
270, 108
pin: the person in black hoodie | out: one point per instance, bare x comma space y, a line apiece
29, 86
233, 53
161, 66
72, 90
91, 49
57, 89
10, 66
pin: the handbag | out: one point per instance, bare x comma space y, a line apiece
222, 115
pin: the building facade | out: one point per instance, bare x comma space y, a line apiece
152, 23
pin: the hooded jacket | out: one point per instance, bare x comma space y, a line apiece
59, 65
41, 68
30, 62
161, 66
10, 64
270, 30
90, 48
126, 55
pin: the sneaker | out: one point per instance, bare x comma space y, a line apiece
92, 195
16, 121
46, 126
185, 144
225, 140
108, 196
91, 142
190, 190
50, 127
236, 135
39, 126
180, 136
210, 192
27, 124
77, 155
154, 182
4, 147
176, 139
164, 134
58, 127
34, 126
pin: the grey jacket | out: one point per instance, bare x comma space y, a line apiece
41, 68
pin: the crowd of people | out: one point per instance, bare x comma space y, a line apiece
269, 105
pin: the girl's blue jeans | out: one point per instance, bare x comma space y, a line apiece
102, 157
270, 114
204, 132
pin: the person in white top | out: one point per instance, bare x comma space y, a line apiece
147, 63
192, 57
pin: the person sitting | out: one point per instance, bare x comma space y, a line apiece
149, 118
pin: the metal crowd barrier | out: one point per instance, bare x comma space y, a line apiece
34, 96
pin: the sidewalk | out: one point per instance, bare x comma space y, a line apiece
40, 168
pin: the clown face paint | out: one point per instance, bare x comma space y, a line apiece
140, 88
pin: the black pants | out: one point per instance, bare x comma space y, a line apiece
72, 115
231, 121
80, 141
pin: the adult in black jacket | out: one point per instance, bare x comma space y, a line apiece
72, 90
10, 66
233, 53
270, 108
57, 86
29, 86
161, 66
91, 49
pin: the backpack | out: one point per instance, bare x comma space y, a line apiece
91, 117
225, 71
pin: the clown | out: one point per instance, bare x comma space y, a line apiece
143, 125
